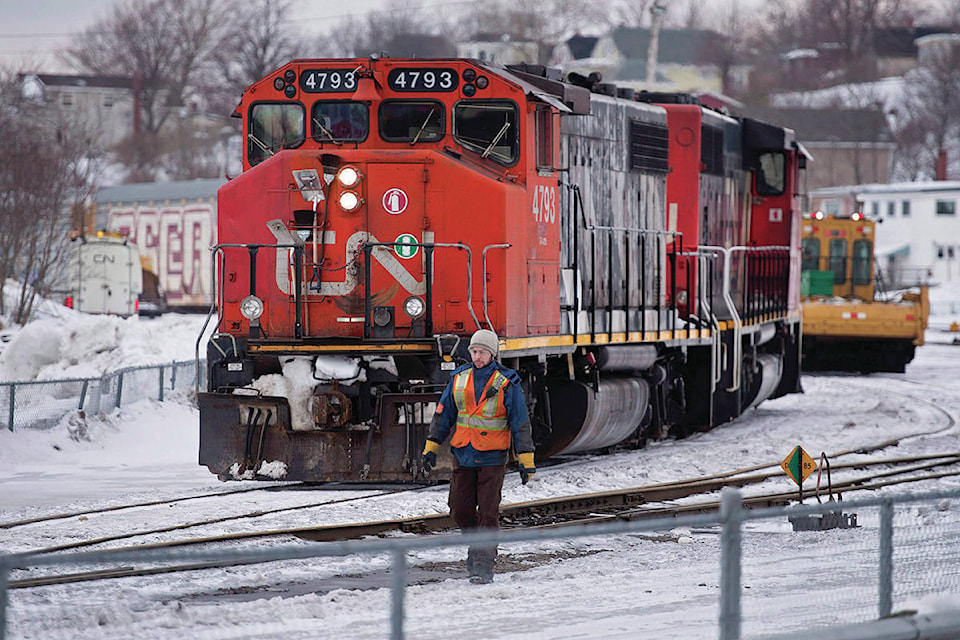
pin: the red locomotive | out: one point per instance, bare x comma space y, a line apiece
638, 255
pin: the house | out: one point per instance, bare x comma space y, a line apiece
687, 59
849, 146
891, 52
103, 106
576, 47
918, 239
501, 49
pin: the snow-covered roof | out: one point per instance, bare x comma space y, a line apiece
154, 191
939, 186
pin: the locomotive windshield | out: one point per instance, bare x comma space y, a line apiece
412, 121
771, 178
339, 120
488, 127
273, 127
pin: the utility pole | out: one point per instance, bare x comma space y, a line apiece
656, 13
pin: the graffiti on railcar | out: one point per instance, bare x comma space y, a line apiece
176, 240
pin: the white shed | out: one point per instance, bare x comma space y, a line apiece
918, 239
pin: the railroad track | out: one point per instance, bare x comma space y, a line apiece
79, 544
647, 501
136, 505
656, 500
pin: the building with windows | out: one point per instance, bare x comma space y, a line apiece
918, 230
103, 107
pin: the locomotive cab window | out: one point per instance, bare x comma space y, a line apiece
811, 255
838, 260
336, 120
544, 138
488, 127
273, 127
412, 121
771, 174
862, 255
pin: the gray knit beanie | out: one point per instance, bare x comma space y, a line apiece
486, 339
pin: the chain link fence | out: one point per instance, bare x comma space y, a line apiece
737, 574
41, 404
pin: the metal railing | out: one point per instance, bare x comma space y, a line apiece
899, 555
41, 404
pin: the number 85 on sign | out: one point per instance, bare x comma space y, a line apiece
798, 465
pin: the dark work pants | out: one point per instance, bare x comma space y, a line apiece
475, 504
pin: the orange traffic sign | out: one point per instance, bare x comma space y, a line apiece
798, 465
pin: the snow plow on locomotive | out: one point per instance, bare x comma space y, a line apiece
639, 259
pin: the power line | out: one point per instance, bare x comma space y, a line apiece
433, 5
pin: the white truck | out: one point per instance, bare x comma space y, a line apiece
105, 275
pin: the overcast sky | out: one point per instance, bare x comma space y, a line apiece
30, 30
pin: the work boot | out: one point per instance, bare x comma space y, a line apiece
482, 572
482, 578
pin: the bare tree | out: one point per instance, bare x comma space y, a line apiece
630, 13
42, 177
161, 43
847, 26
929, 118
258, 40
366, 35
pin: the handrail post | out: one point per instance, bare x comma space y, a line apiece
13, 402
160, 394
886, 558
4, 587
119, 389
398, 586
83, 395
731, 518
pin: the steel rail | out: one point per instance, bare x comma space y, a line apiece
430, 524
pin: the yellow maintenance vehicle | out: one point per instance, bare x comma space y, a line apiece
849, 323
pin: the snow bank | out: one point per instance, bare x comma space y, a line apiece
87, 346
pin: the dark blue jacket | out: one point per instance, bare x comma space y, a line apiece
517, 417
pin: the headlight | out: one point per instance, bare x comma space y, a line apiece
682, 296
251, 307
348, 177
414, 307
349, 201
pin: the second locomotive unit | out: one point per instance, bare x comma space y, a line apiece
637, 254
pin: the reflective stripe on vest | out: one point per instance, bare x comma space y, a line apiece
482, 425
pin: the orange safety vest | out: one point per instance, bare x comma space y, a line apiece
482, 425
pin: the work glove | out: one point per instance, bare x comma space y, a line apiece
527, 468
428, 458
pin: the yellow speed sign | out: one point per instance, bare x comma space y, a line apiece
798, 465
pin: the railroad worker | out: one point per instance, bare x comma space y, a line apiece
485, 431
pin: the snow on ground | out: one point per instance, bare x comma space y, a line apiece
658, 586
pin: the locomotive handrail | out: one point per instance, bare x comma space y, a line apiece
428, 247
505, 245
727, 253
579, 222
704, 296
217, 251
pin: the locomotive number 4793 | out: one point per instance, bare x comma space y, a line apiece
545, 204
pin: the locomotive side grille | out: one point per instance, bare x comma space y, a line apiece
648, 147
711, 150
